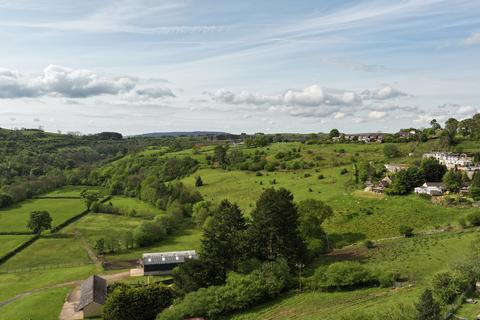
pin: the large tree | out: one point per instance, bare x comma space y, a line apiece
39, 221
453, 180
312, 214
274, 229
433, 170
223, 241
89, 197
405, 181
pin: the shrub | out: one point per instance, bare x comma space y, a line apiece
343, 275
474, 218
321, 177
369, 244
406, 231
136, 303
447, 286
343, 171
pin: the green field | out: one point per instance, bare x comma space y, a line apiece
43, 305
8, 243
14, 283
15, 218
98, 225
49, 251
71, 191
141, 207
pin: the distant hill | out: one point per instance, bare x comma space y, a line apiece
182, 134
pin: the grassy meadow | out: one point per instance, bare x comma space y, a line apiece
9, 243
15, 217
416, 258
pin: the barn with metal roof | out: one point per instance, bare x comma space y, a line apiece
93, 294
164, 262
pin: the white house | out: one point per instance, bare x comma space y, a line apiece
430, 188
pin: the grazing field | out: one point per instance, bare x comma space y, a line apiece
129, 204
37, 306
15, 217
15, 283
49, 251
357, 215
183, 240
99, 225
71, 191
417, 258
8, 243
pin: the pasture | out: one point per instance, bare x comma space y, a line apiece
48, 251
15, 217
37, 306
10, 242
127, 204
71, 191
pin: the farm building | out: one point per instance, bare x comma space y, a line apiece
430, 188
164, 262
93, 293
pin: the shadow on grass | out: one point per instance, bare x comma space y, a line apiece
340, 240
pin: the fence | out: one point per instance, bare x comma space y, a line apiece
45, 267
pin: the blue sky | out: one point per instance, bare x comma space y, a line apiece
237, 66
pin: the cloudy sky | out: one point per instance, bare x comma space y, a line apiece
237, 66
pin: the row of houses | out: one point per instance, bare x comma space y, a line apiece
370, 137
459, 161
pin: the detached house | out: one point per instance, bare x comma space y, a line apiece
431, 188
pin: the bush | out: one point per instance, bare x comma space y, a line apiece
136, 303
321, 177
406, 231
343, 171
5, 200
474, 218
342, 275
369, 244
447, 286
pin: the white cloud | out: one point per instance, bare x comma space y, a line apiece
383, 93
57, 81
312, 96
377, 115
446, 111
316, 101
472, 40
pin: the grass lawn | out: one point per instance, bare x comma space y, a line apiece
50, 251
8, 243
70, 191
140, 206
98, 225
182, 240
418, 258
43, 305
15, 218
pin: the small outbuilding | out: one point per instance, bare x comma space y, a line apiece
93, 294
163, 263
